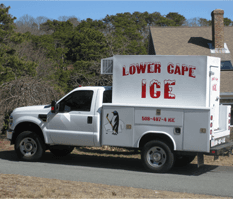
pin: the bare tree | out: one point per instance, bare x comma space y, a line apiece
24, 92
27, 23
63, 18
40, 20
27, 90
204, 22
193, 22
26, 20
74, 20
29, 52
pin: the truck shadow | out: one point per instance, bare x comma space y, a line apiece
121, 163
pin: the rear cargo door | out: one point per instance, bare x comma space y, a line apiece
196, 130
214, 94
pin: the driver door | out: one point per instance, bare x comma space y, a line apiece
73, 124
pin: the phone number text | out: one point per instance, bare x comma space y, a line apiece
158, 119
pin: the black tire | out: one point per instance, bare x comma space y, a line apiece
61, 150
29, 146
183, 160
157, 156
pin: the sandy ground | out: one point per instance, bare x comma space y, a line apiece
17, 186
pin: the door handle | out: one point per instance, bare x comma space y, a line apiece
89, 120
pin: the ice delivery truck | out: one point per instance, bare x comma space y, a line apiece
165, 106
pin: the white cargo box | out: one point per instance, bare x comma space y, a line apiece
181, 81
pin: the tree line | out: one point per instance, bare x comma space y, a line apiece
41, 59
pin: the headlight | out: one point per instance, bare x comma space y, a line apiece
10, 121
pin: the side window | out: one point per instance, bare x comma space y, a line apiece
107, 96
77, 101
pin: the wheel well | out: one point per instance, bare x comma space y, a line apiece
156, 136
27, 126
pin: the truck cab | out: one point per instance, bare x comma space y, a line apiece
74, 120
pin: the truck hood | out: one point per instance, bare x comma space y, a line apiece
33, 109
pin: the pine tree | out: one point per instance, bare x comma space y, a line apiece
11, 66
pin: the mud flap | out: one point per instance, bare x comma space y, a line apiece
200, 160
216, 157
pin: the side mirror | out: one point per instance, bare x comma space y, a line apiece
53, 108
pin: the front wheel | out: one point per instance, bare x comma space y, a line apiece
29, 146
157, 156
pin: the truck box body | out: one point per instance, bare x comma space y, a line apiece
164, 80
184, 89
129, 123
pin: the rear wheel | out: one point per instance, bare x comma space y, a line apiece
29, 146
157, 156
61, 150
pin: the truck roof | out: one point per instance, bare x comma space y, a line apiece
93, 88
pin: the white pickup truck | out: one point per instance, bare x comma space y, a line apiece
166, 106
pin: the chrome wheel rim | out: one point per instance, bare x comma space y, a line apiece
156, 157
28, 147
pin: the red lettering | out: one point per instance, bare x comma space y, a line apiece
141, 68
214, 88
145, 118
184, 69
143, 88
154, 83
149, 67
170, 68
171, 119
158, 67
158, 119
132, 69
125, 73
214, 78
191, 71
177, 70
168, 89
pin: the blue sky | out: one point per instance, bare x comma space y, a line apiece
99, 9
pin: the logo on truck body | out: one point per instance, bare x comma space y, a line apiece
114, 125
155, 85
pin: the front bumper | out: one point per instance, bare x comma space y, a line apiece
9, 134
223, 149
